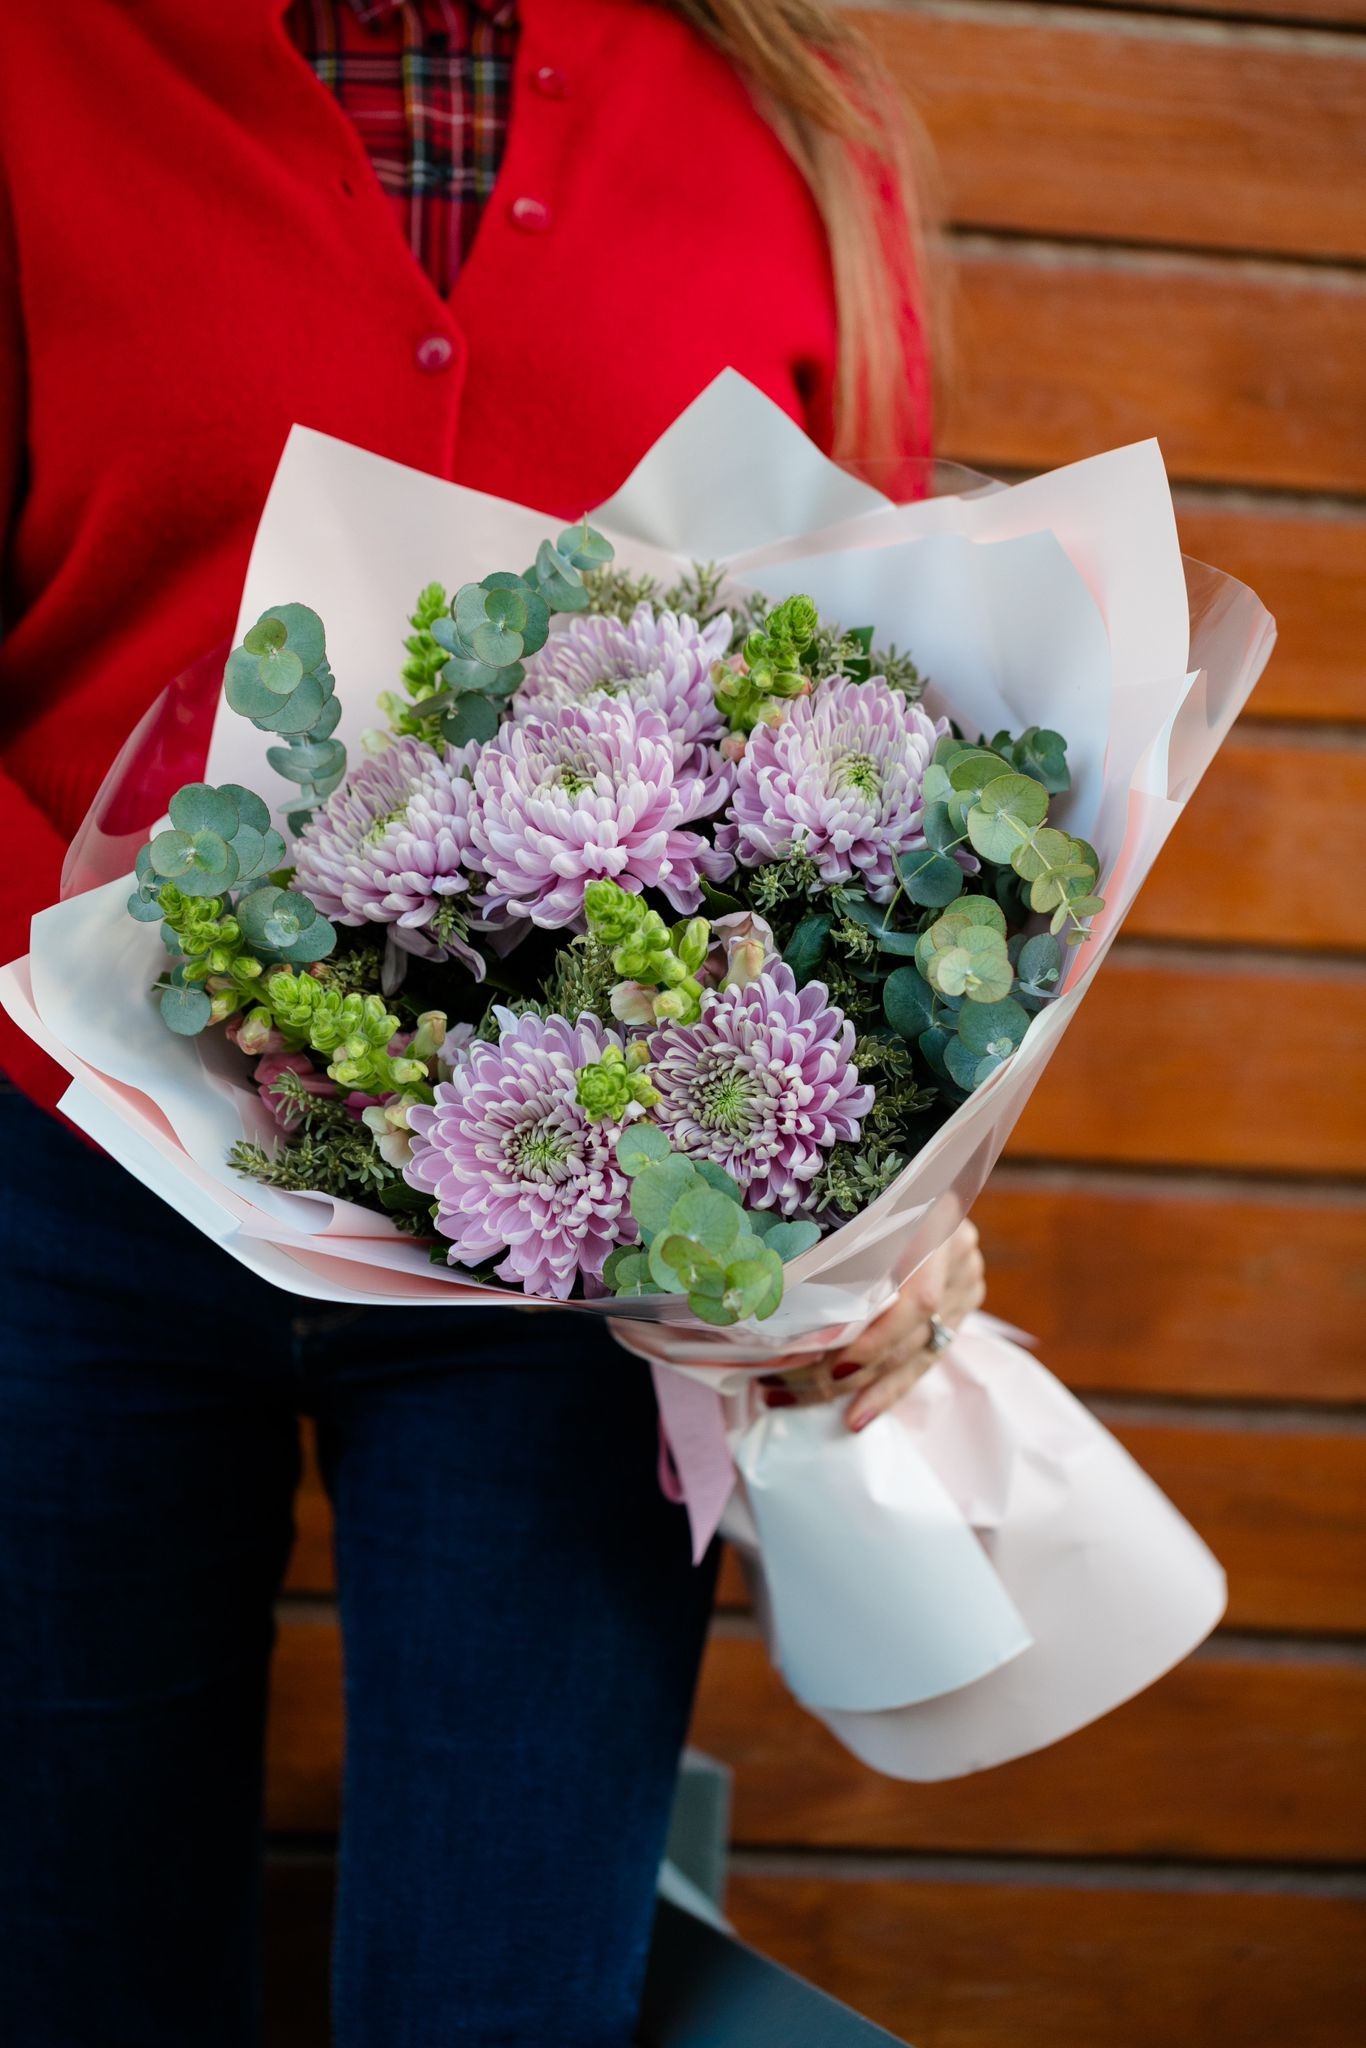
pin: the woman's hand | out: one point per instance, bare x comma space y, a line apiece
885, 1360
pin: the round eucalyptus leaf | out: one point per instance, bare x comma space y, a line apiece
641, 1145
908, 1002
185, 1010
1005, 816
314, 942
804, 949
585, 547
199, 807
497, 645
298, 712
992, 1029
305, 632
145, 909
972, 770
266, 636
280, 670
656, 1189
792, 1237
474, 718
967, 1068
703, 1214
247, 695
171, 855
930, 879
715, 1177
1047, 851
1040, 962
251, 809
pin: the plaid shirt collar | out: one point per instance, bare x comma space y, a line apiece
370, 11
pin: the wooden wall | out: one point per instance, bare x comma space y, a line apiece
1159, 227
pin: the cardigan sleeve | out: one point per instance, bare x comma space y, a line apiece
32, 847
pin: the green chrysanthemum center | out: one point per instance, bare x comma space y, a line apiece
860, 772
538, 1149
723, 1102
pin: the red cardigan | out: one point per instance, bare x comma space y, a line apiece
194, 253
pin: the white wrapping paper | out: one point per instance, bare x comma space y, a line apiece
984, 1569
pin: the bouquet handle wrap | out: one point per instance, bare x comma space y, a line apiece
976, 1575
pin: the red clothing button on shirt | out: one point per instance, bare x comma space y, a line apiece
551, 82
531, 215
435, 353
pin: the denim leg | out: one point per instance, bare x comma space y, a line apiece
145, 1517
522, 1629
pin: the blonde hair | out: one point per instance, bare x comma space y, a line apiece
822, 88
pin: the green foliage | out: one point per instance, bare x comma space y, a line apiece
333, 1154
773, 667
659, 962
350, 1031
483, 637
697, 1238
606, 1089
279, 678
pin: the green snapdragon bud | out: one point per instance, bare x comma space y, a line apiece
606, 1089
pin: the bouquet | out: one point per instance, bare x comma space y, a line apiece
682, 948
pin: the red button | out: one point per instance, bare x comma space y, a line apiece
531, 215
552, 83
435, 353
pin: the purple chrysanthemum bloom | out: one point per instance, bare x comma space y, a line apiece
514, 1164
393, 844
587, 790
840, 778
664, 661
764, 1083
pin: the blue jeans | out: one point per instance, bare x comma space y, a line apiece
521, 1628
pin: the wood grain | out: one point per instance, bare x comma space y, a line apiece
1168, 1287
1229, 1757
1224, 877
1176, 1060
1059, 1965
1064, 121
1308, 566
1246, 373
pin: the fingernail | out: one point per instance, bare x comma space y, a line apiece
845, 1369
857, 1421
780, 1397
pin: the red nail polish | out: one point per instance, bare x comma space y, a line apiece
845, 1369
781, 1398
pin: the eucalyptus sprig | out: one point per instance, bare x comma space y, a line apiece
697, 1238
483, 636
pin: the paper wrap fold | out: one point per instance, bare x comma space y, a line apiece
984, 1569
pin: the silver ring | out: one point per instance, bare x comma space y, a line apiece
941, 1336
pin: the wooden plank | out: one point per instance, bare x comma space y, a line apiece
1176, 1060
1224, 877
1066, 1965
310, 1564
1344, 14
1308, 566
1230, 1756
1173, 1287
1065, 121
1246, 373
1284, 1512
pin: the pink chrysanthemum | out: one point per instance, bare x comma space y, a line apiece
587, 790
514, 1164
664, 661
764, 1083
393, 844
840, 778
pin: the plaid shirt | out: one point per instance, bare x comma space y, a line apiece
428, 84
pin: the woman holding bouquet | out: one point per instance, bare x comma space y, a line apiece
505, 241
